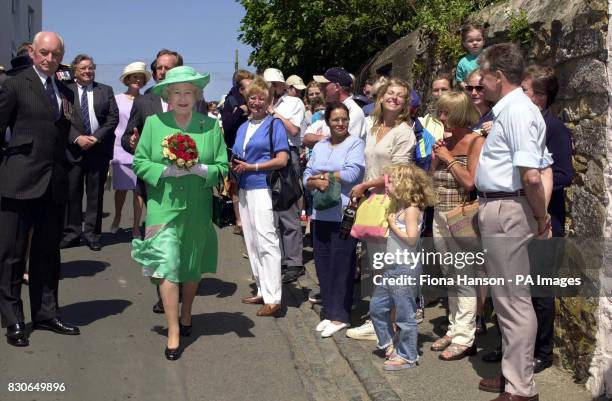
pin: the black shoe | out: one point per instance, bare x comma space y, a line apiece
290, 276
481, 326
494, 356
172, 354
56, 325
70, 243
94, 245
539, 365
16, 335
158, 307
185, 330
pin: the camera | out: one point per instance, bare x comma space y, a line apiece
348, 218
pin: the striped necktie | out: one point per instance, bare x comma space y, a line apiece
85, 112
52, 98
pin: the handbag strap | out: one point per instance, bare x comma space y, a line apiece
270, 133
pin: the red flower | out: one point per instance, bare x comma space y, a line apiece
191, 142
180, 138
181, 146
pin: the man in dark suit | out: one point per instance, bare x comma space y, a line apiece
33, 189
143, 107
90, 149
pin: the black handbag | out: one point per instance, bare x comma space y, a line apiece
284, 183
222, 208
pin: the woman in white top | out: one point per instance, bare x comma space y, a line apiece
390, 141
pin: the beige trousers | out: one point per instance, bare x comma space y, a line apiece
461, 298
507, 226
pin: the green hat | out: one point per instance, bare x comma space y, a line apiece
182, 74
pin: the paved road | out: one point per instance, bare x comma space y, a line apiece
119, 355
232, 354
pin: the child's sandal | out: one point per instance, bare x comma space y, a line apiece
396, 362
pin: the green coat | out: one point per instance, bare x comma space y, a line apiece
181, 242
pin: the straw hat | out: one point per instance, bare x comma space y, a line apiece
182, 74
137, 67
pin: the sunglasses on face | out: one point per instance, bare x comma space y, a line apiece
470, 88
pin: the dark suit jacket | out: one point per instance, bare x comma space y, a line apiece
143, 107
559, 143
107, 114
35, 157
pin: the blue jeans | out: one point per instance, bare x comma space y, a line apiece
403, 297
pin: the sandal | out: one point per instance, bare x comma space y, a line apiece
455, 352
441, 343
390, 351
396, 362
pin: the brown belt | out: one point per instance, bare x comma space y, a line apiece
496, 195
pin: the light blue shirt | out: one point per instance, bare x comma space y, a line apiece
347, 158
517, 139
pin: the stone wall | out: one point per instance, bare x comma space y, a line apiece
571, 36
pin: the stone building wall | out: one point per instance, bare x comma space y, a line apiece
570, 35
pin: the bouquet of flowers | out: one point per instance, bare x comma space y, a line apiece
180, 149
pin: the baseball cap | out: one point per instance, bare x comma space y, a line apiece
336, 75
296, 82
273, 75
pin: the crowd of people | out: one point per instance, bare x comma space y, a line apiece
488, 137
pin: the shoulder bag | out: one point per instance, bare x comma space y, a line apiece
284, 183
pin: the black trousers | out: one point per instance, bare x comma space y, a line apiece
89, 174
17, 217
545, 257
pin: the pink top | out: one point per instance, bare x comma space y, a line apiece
124, 103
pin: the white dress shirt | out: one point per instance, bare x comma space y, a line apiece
517, 139
93, 121
357, 124
43, 79
292, 108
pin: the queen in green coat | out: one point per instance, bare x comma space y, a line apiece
180, 244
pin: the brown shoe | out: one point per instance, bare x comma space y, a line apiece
269, 310
493, 384
253, 300
514, 397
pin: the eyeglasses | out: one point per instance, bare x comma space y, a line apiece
470, 88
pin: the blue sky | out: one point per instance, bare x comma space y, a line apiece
116, 33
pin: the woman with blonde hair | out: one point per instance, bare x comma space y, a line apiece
252, 160
453, 169
389, 142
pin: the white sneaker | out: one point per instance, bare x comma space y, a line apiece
332, 328
324, 323
363, 332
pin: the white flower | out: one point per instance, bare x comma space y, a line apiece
180, 162
164, 143
172, 156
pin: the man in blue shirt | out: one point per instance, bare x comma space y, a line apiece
514, 182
